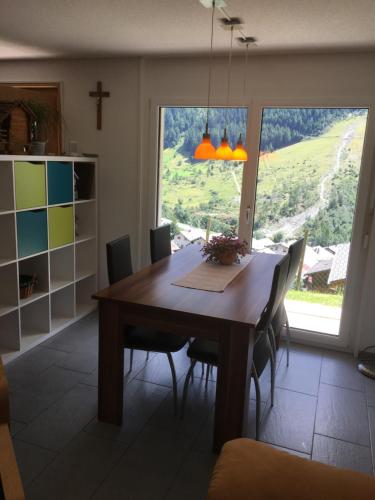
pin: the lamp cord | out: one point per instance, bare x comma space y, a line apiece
245, 75
230, 64
210, 63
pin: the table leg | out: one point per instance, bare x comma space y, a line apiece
111, 363
233, 385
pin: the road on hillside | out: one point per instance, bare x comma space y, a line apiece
290, 225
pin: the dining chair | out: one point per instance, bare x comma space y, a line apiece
139, 338
160, 242
207, 351
280, 319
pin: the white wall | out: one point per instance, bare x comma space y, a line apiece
116, 143
128, 157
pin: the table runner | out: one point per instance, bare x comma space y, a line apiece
212, 277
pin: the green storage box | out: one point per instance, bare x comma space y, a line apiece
30, 184
60, 226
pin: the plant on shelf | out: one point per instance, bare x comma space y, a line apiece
45, 119
224, 249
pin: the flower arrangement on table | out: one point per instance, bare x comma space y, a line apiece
224, 250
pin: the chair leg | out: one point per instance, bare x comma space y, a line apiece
131, 359
202, 369
287, 337
208, 367
186, 387
272, 339
273, 372
258, 402
174, 381
147, 355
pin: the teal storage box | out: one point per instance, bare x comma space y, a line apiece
60, 182
32, 232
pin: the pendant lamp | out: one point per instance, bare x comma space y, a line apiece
224, 151
240, 153
205, 150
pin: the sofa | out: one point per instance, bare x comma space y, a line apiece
250, 470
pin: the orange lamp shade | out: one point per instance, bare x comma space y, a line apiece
240, 153
224, 151
205, 150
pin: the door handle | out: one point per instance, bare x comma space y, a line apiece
248, 215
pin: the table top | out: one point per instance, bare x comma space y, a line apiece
242, 301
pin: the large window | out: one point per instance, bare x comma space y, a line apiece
198, 198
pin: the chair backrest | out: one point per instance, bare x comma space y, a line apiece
295, 254
277, 292
160, 242
119, 262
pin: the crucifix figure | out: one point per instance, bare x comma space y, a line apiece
99, 94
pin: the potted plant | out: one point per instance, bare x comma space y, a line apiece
224, 250
45, 118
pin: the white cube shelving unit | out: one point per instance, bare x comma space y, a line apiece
48, 229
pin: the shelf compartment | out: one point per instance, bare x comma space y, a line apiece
39, 266
85, 264
85, 217
84, 291
9, 332
62, 307
35, 322
30, 183
6, 186
84, 181
8, 289
60, 182
60, 225
8, 247
32, 232
61, 268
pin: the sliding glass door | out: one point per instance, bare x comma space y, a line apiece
308, 174
301, 181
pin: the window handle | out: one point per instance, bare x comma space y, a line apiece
248, 215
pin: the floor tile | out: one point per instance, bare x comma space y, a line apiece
342, 454
193, 478
159, 455
303, 372
342, 414
80, 361
140, 402
56, 426
340, 369
371, 416
16, 427
292, 452
23, 369
370, 391
200, 401
31, 460
78, 471
40, 392
290, 423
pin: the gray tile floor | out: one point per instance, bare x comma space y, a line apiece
323, 409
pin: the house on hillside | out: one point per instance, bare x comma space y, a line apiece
316, 278
337, 275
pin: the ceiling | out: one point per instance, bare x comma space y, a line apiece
100, 28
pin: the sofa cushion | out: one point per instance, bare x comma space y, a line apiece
248, 469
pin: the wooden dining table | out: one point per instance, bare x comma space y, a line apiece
149, 299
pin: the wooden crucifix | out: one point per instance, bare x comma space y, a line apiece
99, 94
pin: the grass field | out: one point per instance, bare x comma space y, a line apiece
326, 299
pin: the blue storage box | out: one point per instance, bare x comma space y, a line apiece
60, 182
32, 232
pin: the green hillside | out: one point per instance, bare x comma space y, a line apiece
289, 181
